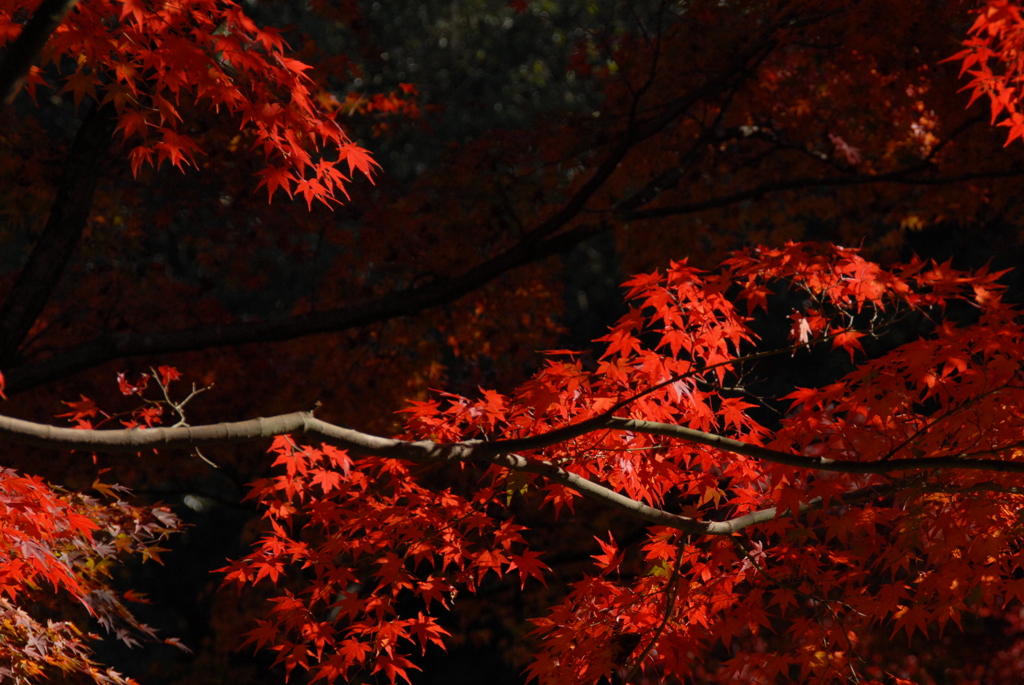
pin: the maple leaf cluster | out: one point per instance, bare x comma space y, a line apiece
992, 57
883, 501
371, 538
57, 547
150, 58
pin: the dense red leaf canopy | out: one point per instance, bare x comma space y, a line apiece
793, 531
903, 472
59, 546
152, 59
992, 59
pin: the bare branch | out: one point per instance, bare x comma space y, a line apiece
499, 452
898, 177
669, 430
422, 452
68, 217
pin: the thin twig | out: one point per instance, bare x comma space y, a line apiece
670, 601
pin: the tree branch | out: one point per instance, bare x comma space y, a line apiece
421, 452
403, 303
67, 219
899, 177
543, 241
669, 430
498, 452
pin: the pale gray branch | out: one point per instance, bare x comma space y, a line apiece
503, 453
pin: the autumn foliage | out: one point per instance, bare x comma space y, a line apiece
165, 57
902, 472
791, 526
992, 60
59, 547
